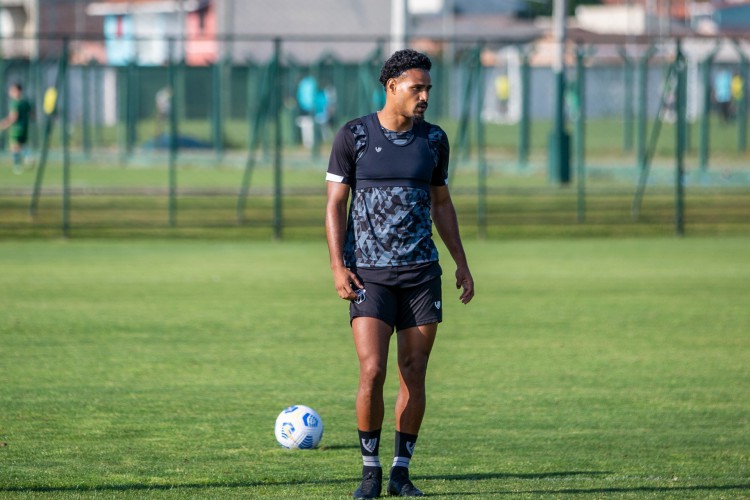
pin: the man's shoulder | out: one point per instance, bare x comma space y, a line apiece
355, 125
352, 131
352, 128
435, 133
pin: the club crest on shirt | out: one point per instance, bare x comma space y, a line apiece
378, 149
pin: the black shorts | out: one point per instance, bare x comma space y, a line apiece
401, 307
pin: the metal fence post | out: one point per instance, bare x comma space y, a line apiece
122, 112
627, 67
705, 126
99, 103
171, 70
217, 109
742, 104
580, 134
558, 140
463, 143
278, 220
481, 157
681, 140
86, 108
132, 107
35, 77
524, 125
50, 111
3, 95
65, 135
641, 120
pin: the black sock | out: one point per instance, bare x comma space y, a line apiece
369, 445
402, 451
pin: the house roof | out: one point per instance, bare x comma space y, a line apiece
345, 29
120, 7
497, 28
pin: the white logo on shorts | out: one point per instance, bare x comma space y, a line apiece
378, 149
438, 304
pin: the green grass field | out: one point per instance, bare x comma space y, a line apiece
587, 368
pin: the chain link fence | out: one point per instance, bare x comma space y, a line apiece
154, 145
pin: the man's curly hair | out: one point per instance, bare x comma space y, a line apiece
401, 61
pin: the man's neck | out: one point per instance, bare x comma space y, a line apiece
394, 122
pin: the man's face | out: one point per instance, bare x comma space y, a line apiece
411, 91
13, 92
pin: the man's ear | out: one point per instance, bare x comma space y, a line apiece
390, 85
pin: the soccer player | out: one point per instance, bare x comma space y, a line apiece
18, 122
384, 261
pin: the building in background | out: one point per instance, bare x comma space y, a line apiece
356, 22
34, 28
348, 30
19, 24
120, 31
144, 31
206, 31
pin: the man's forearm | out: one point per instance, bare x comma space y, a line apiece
335, 232
446, 222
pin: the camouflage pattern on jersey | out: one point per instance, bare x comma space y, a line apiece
389, 226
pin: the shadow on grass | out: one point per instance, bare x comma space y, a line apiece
567, 491
481, 476
175, 486
600, 491
339, 447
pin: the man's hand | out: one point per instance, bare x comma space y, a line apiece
345, 282
465, 281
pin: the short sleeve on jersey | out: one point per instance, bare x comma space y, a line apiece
343, 157
441, 148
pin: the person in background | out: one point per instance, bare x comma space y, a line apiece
17, 122
723, 94
738, 92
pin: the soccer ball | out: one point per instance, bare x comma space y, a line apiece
299, 426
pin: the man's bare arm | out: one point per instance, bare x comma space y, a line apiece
445, 220
343, 278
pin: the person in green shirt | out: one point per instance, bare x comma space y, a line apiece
17, 122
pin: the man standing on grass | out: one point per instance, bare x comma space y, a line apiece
18, 122
395, 164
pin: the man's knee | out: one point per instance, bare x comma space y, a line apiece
372, 374
413, 367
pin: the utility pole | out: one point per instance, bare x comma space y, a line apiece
449, 46
559, 139
181, 21
399, 24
